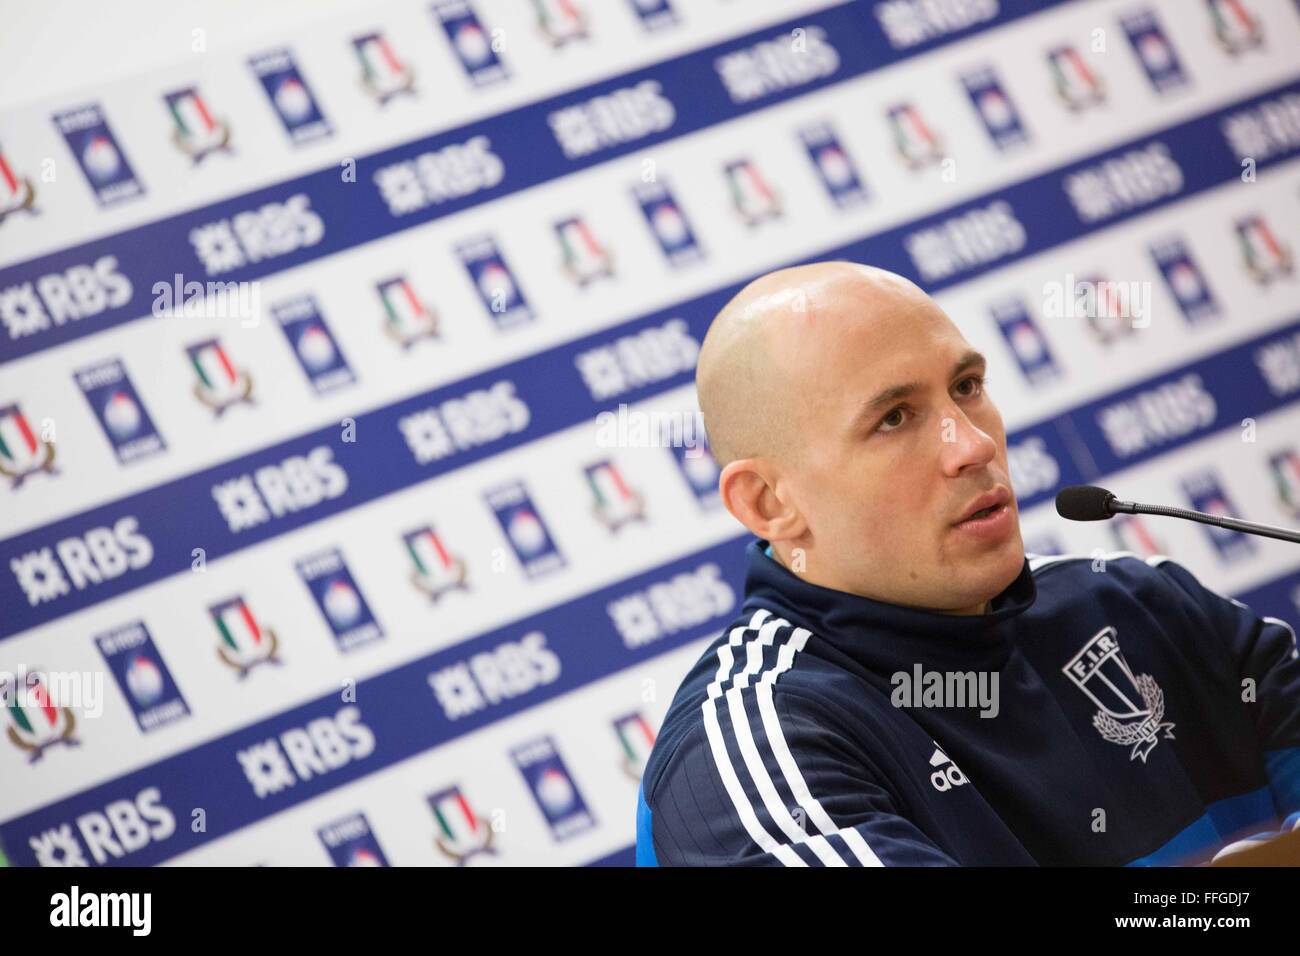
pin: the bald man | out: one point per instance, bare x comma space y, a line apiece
903, 684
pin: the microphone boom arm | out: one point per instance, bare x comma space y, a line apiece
1233, 524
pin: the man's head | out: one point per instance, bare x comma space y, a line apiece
849, 418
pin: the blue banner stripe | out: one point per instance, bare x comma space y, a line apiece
584, 641
556, 397
623, 857
580, 634
1232, 376
521, 141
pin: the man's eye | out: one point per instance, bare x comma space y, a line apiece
892, 421
977, 385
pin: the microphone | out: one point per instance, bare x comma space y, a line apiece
1090, 503
1084, 503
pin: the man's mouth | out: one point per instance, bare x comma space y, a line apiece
987, 504
989, 519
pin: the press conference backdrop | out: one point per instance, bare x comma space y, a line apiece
394, 549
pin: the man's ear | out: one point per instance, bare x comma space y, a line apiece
751, 490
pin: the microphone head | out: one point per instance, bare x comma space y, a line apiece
1084, 503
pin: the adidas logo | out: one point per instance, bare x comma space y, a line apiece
946, 774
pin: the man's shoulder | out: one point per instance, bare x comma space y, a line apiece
1153, 588
1124, 570
761, 660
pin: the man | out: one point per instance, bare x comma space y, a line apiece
903, 684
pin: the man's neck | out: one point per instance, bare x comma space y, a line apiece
981, 609
984, 608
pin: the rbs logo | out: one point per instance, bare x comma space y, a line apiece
122, 827
93, 557
78, 292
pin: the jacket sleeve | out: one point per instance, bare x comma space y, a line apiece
763, 781
1265, 652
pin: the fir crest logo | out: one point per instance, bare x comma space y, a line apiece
17, 194
434, 569
1235, 27
36, 721
218, 383
561, 21
1130, 707
755, 201
1265, 256
636, 739
462, 834
383, 74
407, 318
244, 643
1285, 466
1076, 84
198, 132
917, 144
21, 453
583, 257
614, 502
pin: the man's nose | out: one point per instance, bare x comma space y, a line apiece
964, 444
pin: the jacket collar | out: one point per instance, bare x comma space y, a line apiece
881, 634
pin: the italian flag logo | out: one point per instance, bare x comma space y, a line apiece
244, 643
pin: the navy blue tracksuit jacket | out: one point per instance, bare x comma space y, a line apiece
1140, 719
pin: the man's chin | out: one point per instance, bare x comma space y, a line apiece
991, 574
